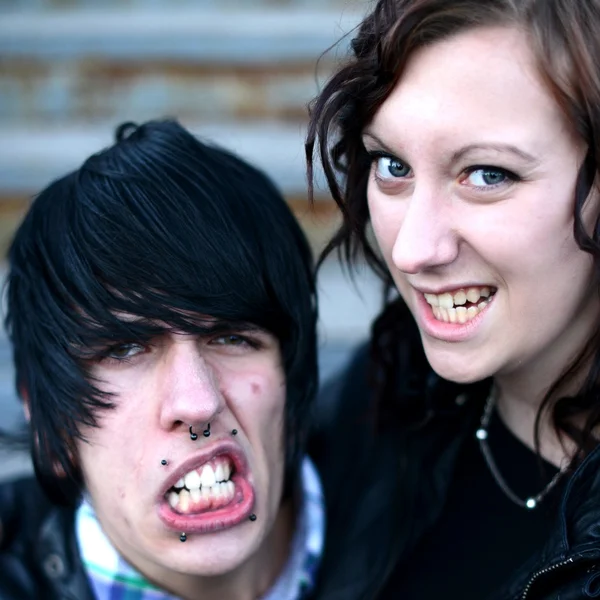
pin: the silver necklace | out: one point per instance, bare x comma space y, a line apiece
482, 435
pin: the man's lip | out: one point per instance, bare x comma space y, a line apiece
219, 448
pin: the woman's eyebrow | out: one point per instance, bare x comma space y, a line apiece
495, 147
378, 141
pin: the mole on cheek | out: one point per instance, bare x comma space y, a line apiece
255, 388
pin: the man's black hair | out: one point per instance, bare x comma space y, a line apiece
165, 227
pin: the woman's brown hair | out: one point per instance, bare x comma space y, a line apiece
563, 34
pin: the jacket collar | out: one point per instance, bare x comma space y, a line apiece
58, 553
580, 508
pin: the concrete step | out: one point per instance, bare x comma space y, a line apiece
230, 33
44, 92
54, 5
31, 157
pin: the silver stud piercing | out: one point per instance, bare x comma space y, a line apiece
193, 435
234, 432
206, 432
252, 517
182, 537
164, 462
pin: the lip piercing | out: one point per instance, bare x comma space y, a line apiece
234, 432
182, 537
206, 432
164, 462
193, 435
252, 517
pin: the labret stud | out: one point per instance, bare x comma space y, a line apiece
182, 537
193, 435
206, 432
234, 432
164, 462
252, 517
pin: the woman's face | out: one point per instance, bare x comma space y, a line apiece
471, 197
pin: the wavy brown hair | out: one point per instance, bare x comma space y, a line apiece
564, 37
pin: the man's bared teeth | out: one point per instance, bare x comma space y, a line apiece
208, 476
202, 483
203, 499
461, 314
192, 480
184, 500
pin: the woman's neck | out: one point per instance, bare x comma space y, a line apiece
518, 409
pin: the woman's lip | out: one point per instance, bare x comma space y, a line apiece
238, 510
452, 289
218, 448
447, 332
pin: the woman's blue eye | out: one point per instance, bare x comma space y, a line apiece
391, 167
485, 177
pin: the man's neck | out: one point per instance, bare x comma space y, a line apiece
251, 580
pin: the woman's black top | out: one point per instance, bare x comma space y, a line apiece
482, 537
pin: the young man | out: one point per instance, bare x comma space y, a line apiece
162, 311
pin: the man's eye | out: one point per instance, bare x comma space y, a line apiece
124, 351
387, 167
230, 340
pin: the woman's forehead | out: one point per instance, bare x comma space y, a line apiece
479, 87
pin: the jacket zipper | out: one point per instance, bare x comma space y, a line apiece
536, 576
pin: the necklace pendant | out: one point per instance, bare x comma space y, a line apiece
531, 503
481, 434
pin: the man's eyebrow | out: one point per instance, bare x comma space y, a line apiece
496, 147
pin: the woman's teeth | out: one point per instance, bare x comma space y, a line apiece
450, 308
206, 488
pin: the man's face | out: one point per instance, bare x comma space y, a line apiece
210, 486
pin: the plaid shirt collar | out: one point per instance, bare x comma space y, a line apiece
112, 578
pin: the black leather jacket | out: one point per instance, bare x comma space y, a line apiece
39, 557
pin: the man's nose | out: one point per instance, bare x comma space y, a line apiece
426, 238
189, 387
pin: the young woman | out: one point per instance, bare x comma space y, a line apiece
465, 136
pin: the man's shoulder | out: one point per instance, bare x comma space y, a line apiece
27, 516
23, 505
